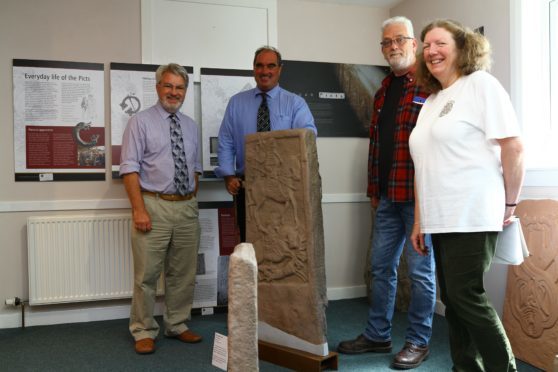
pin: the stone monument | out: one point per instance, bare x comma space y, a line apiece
243, 311
284, 223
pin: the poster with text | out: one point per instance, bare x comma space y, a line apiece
217, 241
339, 95
217, 87
132, 89
205, 292
59, 128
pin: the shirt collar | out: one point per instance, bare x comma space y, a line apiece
164, 113
270, 93
409, 76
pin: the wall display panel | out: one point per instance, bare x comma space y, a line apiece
59, 128
339, 95
132, 89
218, 238
217, 87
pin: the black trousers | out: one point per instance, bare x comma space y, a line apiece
240, 204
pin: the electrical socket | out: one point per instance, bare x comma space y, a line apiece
14, 301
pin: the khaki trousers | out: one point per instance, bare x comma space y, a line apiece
170, 247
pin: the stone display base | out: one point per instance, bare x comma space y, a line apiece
295, 359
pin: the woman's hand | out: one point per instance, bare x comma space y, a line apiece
417, 240
508, 215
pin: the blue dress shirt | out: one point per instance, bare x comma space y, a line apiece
146, 149
286, 110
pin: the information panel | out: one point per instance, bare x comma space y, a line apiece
59, 128
340, 95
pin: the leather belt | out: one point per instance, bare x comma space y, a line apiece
169, 197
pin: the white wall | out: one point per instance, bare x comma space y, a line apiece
107, 31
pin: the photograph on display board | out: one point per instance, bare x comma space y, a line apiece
339, 95
59, 127
217, 87
132, 89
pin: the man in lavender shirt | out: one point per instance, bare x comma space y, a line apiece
166, 229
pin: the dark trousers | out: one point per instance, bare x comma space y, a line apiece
478, 341
240, 204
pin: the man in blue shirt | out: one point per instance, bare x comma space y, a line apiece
286, 111
160, 167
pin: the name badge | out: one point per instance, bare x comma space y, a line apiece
419, 100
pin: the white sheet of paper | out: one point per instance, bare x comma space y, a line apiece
511, 248
220, 351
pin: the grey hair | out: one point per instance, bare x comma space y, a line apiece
399, 20
173, 68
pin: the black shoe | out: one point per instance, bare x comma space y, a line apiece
363, 345
411, 356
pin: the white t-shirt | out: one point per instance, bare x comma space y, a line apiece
458, 172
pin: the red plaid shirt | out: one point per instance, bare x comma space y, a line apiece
401, 176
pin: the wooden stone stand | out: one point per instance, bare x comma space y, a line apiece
295, 359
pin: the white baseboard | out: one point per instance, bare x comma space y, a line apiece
343, 293
40, 315
84, 312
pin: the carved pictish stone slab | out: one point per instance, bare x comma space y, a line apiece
242, 319
531, 303
284, 223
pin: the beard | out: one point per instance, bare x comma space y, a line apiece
401, 62
171, 107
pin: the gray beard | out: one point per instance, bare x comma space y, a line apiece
402, 63
173, 109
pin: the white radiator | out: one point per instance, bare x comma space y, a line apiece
79, 258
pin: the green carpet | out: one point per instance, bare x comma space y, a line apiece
107, 345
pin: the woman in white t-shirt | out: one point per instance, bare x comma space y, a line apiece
469, 169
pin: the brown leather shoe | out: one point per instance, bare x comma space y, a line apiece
188, 337
363, 345
145, 346
411, 356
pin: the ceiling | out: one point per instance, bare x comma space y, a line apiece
375, 3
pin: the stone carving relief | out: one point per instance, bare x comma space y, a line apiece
531, 304
285, 225
273, 208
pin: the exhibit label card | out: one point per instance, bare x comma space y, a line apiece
220, 352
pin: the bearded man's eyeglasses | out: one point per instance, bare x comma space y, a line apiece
400, 40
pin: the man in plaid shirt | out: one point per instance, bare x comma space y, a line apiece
390, 188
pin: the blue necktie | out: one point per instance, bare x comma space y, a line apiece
180, 167
264, 124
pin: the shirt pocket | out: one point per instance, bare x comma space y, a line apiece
281, 121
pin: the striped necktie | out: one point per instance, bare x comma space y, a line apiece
180, 167
264, 124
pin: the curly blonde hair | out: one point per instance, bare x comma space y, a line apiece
473, 52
